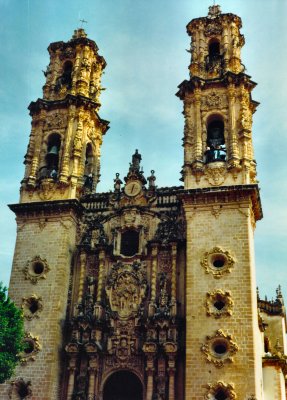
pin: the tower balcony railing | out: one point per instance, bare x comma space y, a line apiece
214, 154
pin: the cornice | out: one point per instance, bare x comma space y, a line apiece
47, 207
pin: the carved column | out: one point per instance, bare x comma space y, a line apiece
150, 371
154, 254
66, 152
233, 145
198, 127
93, 364
171, 375
83, 258
101, 274
173, 277
71, 380
37, 149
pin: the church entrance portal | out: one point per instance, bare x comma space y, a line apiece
123, 385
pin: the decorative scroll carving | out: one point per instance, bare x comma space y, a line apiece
126, 288
217, 262
219, 348
56, 121
213, 28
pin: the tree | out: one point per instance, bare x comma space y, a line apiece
11, 335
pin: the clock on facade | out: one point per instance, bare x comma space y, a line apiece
133, 188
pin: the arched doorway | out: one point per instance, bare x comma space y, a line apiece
123, 385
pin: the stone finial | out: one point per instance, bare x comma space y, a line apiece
214, 11
118, 182
79, 33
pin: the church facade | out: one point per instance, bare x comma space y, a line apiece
144, 292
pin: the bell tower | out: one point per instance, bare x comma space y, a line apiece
221, 204
63, 156
218, 106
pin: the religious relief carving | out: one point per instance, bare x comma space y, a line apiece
165, 262
47, 189
215, 173
126, 288
219, 348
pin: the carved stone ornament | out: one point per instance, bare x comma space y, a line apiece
212, 28
222, 388
36, 269
56, 120
213, 100
32, 307
47, 189
217, 262
32, 347
126, 288
219, 348
219, 303
215, 173
20, 389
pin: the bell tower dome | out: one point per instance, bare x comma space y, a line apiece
218, 106
63, 156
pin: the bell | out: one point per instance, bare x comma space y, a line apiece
54, 151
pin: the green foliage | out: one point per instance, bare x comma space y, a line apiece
11, 335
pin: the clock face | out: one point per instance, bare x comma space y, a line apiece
133, 188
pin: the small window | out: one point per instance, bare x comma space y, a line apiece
67, 74
129, 243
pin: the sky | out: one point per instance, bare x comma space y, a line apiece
144, 44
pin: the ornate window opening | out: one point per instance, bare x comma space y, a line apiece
214, 58
31, 348
20, 389
215, 150
88, 172
66, 78
32, 306
214, 49
129, 243
217, 262
36, 269
220, 391
218, 303
219, 348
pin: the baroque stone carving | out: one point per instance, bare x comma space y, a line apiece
126, 288
217, 262
215, 173
32, 306
31, 348
219, 303
213, 28
213, 100
219, 348
225, 389
36, 269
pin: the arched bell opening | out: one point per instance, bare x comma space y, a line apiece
88, 167
123, 385
51, 167
214, 49
130, 239
215, 142
65, 80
